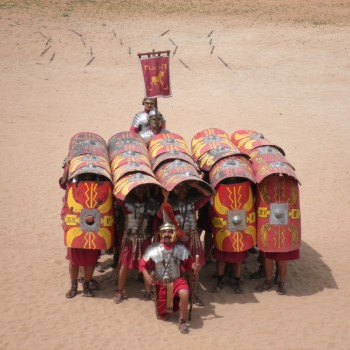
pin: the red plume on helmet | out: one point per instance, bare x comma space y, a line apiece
168, 216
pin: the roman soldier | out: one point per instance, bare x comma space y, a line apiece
166, 258
87, 212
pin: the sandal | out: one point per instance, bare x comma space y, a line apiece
258, 274
237, 288
73, 290
264, 286
183, 327
93, 284
118, 298
197, 301
148, 296
281, 290
86, 289
218, 287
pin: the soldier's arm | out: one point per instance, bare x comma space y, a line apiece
144, 267
134, 130
63, 180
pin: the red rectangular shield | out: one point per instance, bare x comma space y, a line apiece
156, 75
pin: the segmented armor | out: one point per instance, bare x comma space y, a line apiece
167, 262
185, 214
138, 224
140, 120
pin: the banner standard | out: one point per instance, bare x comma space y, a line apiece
156, 75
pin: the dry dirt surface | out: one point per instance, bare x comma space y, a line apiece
277, 67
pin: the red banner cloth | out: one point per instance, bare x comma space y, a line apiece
156, 75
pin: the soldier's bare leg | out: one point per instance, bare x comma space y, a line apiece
183, 306
237, 269
122, 275
73, 274
220, 270
268, 283
88, 272
282, 270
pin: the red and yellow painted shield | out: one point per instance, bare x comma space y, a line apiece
163, 143
88, 217
170, 182
131, 167
267, 154
87, 143
172, 173
231, 167
234, 217
208, 159
89, 163
278, 214
246, 140
128, 157
125, 141
172, 155
263, 170
209, 139
128, 182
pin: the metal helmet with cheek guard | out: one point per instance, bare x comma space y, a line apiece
155, 120
165, 227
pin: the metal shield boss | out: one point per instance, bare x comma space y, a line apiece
278, 214
87, 214
234, 217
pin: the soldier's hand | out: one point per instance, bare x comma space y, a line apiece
65, 160
196, 267
165, 194
150, 280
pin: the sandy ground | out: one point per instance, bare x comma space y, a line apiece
287, 76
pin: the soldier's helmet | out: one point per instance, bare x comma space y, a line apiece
168, 227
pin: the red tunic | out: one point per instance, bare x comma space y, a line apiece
127, 254
83, 257
230, 258
282, 256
